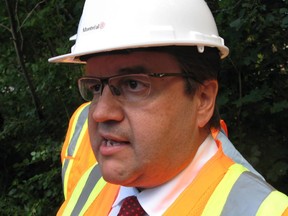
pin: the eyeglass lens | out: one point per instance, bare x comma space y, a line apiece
126, 87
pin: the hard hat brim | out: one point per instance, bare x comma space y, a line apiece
75, 57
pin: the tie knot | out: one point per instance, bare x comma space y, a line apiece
131, 207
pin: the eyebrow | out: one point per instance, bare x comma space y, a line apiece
133, 70
137, 69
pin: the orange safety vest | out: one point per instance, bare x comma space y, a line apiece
76, 155
222, 187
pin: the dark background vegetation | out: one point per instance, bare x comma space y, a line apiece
38, 98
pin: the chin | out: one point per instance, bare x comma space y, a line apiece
120, 179
113, 177
115, 181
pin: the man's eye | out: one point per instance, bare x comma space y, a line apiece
96, 88
134, 85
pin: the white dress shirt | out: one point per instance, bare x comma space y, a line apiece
157, 200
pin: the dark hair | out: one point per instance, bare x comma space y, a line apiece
202, 66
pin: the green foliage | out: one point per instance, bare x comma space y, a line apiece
30, 181
35, 187
254, 80
253, 95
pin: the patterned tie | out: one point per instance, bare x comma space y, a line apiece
131, 207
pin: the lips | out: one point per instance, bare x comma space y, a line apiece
111, 145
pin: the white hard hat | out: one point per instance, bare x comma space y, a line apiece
108, 25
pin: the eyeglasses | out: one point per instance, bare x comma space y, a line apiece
127, 87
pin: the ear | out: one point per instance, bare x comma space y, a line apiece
206, 95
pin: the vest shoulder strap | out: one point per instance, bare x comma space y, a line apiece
244, 193
221, 193
193, 199
75, 148
90, 193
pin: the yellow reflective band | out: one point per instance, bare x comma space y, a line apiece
275, 204
66, 176
69, 165
65, 181
95, 192
79, 111
76, 193
218, 199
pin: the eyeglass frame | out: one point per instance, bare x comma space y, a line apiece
105, 80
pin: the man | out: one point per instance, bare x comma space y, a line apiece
159, 144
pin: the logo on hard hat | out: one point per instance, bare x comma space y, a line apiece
95, 27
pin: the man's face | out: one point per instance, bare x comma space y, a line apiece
145, 143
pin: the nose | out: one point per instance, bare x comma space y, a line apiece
107, 108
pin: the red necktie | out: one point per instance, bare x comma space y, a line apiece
131, 207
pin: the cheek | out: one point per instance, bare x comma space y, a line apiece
163, 142
92, 135
163, 127
93, 130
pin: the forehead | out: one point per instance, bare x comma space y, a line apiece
148, 61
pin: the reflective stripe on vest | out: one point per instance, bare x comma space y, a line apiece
244, 193
79, 128
278, 200
85, 192
218, 199
247, 184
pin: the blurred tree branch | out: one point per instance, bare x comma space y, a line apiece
17, 41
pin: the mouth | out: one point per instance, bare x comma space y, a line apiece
111, 145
